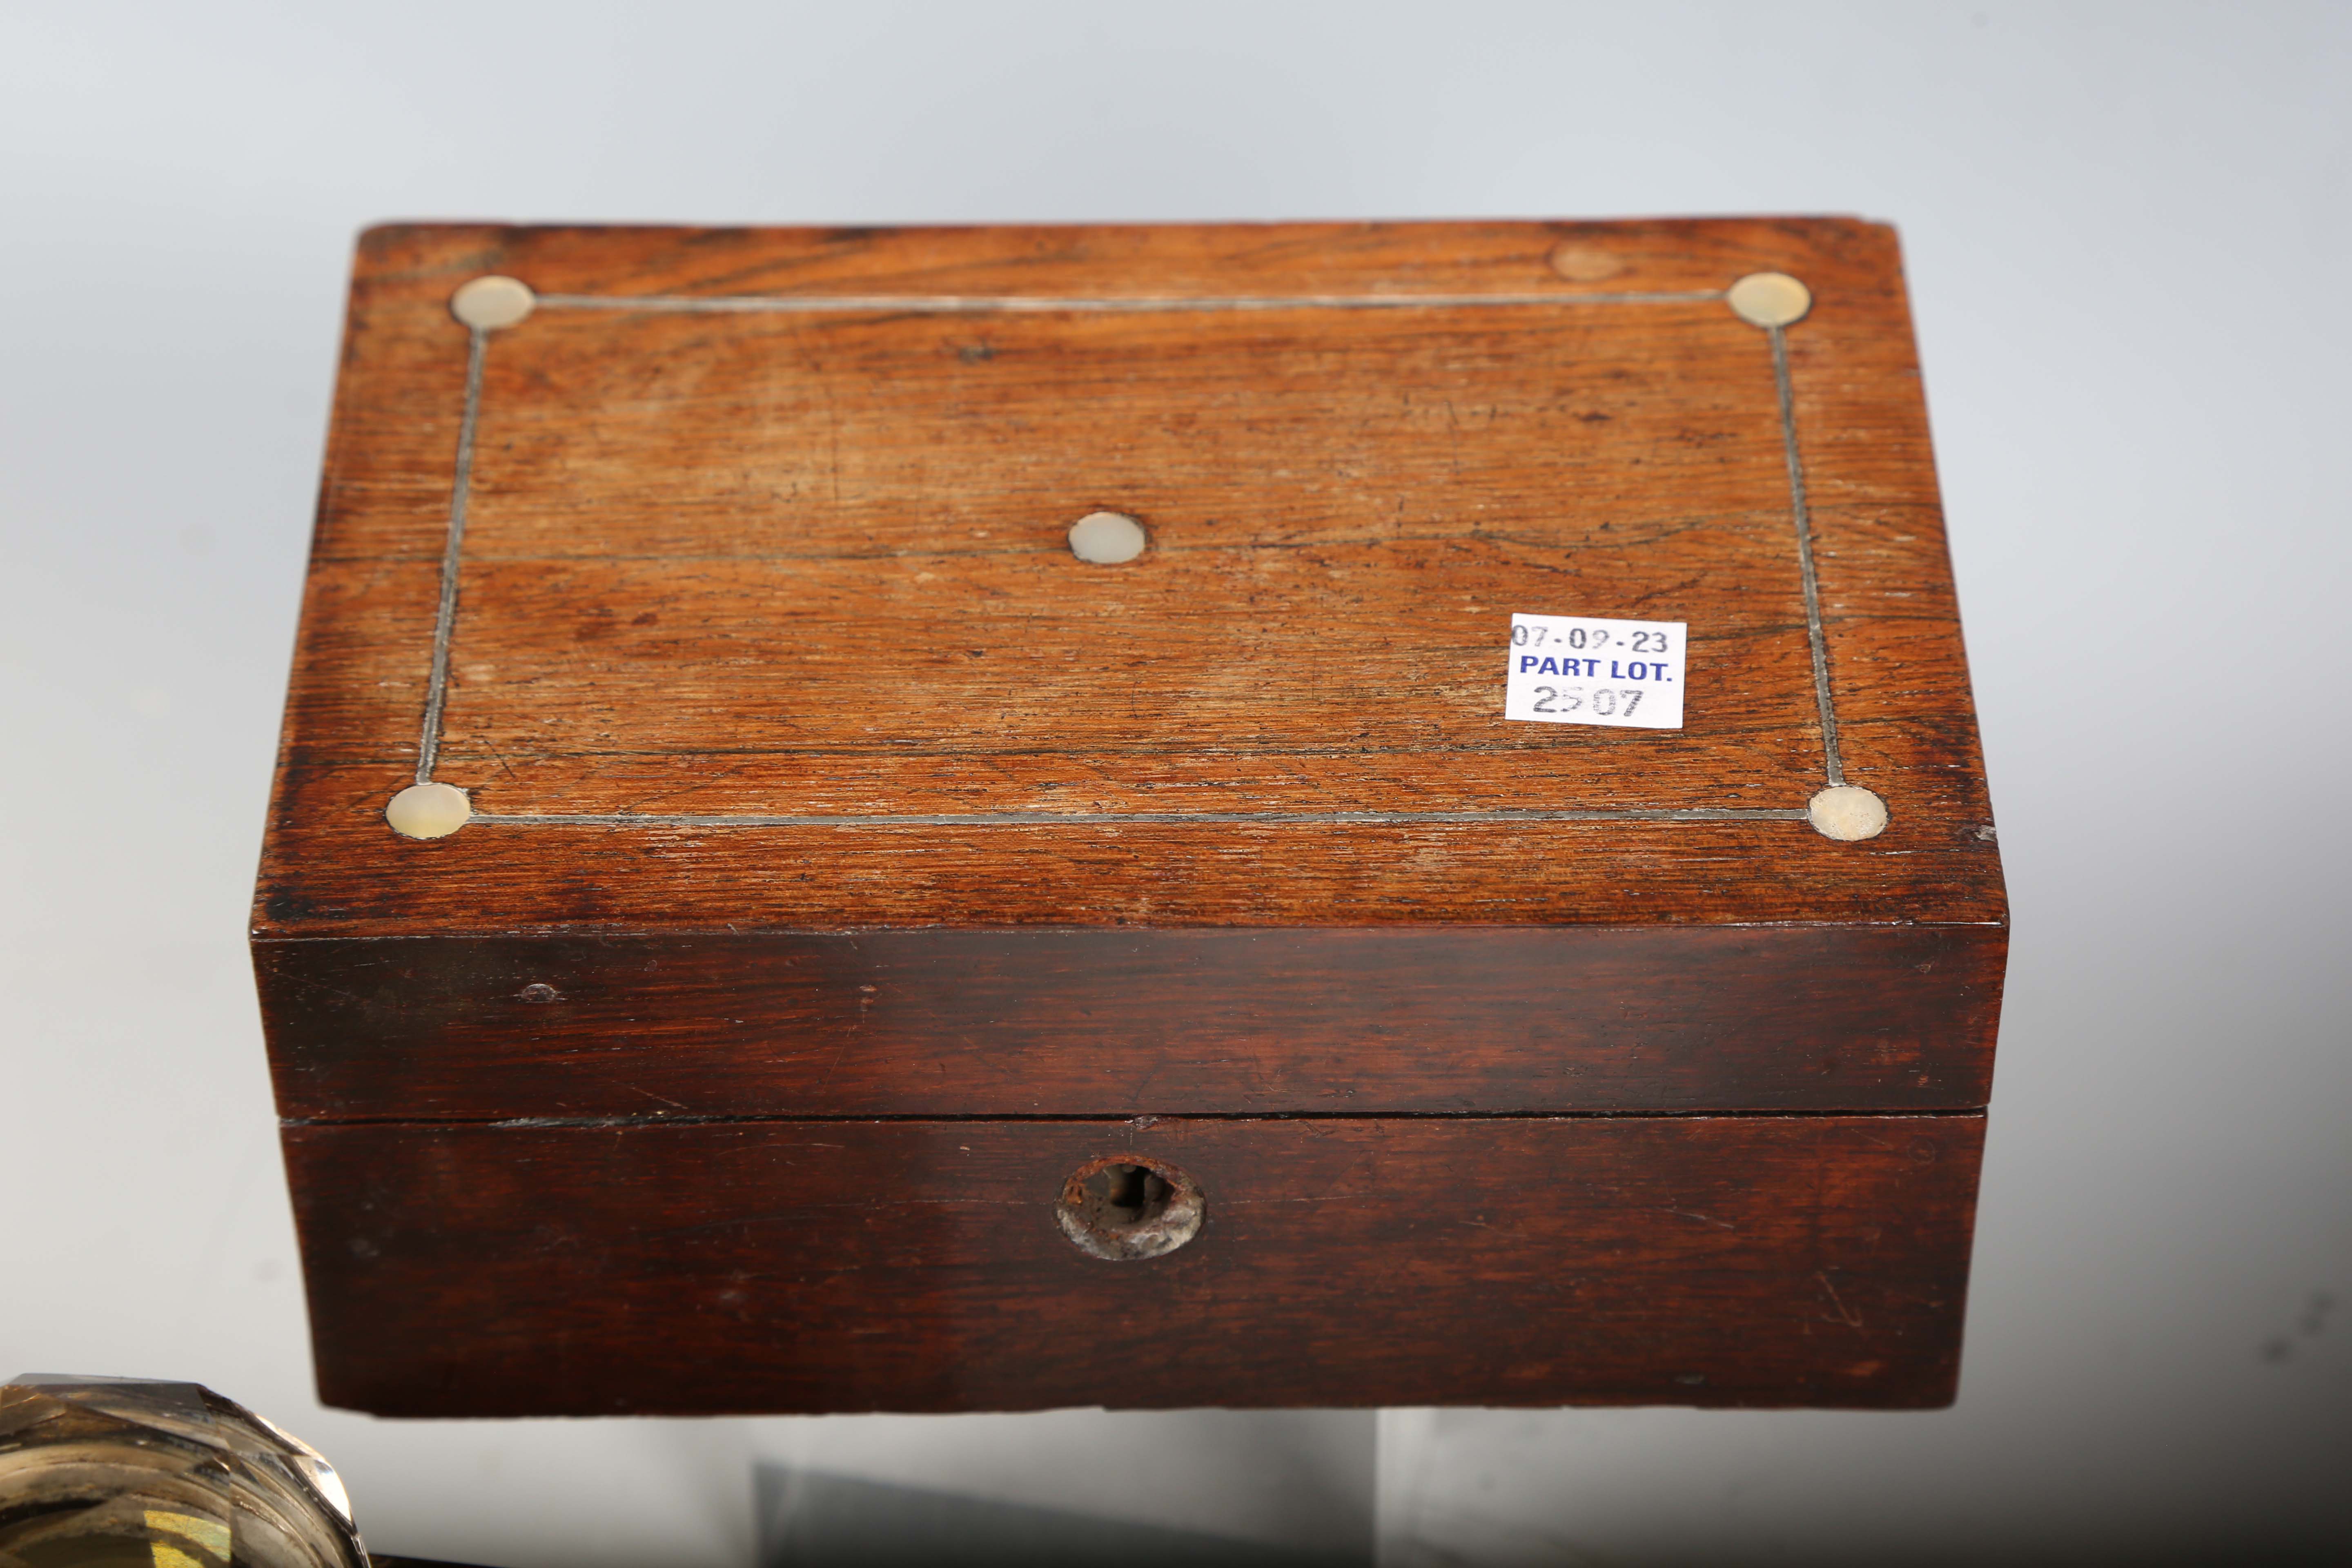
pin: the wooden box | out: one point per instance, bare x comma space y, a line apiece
875, 935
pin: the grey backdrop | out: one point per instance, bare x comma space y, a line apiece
2127, 237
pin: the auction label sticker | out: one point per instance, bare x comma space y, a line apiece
1578, 669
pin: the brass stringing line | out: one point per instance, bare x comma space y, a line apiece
1804, 520
444, 626
1023, 304
1068, 818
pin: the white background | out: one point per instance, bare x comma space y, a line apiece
2130, 253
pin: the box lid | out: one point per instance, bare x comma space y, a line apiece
731, 582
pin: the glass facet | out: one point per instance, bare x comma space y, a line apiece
99, 1472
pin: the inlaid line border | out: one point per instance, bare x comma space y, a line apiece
461, 485
1054, 305
444, 623
1104, 819
1803, 514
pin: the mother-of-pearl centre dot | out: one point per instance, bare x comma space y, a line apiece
488, 303
1107, 538
428, 811
1768, 299
1847, 812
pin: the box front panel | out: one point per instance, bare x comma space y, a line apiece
818, 1265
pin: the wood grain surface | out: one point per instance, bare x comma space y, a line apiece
675, 1113
916, 1265
813, 563
1060, 1022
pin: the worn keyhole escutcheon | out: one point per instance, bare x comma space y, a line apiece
1124, 1207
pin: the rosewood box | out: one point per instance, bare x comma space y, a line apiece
940, 819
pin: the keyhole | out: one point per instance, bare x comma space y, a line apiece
1134, 1192
1124, 1208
